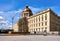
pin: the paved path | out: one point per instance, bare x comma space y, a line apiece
29, 38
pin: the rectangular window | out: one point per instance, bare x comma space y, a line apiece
45, 28
45, 23
39, 29
45, 16
36, 19
39, 24
36, 29
42, 23
42, 17
39, 18
42, 29
36, 25
26, 14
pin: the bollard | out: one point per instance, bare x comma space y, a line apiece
9, 32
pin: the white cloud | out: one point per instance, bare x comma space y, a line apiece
1, 17
8, 15
17, 14
19, 11
3, 24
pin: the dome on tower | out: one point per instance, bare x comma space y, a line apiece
26, 12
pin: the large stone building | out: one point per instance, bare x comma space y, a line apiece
46, 20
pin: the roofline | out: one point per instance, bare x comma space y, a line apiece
47, 10
40, 13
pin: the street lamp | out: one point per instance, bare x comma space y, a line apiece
13, 19
12, 22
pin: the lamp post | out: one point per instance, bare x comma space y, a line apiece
13, 21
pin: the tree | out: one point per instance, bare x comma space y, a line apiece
23, 25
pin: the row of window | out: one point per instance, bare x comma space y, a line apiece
38, 19
38, 29
38, 24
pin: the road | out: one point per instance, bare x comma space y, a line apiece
29, 38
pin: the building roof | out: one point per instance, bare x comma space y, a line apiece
40, 13
47, 10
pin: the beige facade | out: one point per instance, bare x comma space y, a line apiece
15, 27
46, 20
39, 22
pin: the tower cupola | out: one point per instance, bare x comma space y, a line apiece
26, 12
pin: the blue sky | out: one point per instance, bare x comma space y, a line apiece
8, 8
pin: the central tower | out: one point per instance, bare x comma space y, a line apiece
26, 12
